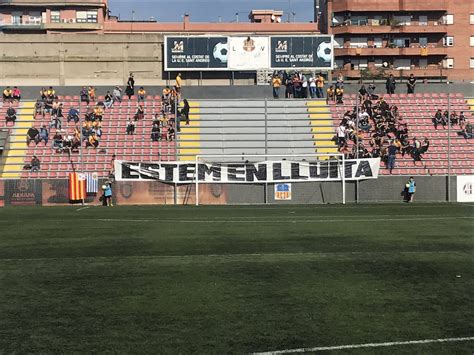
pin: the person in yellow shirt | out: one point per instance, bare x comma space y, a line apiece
320, 86
7, 94
330, 94
179, 81
91, 92
50, 93
339, 95
141, 94
276, 83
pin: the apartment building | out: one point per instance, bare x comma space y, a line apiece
431, 38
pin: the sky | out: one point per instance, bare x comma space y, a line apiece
207, 10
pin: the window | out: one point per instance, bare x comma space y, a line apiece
448, 41
448, 63
359, 42
92, 16
471, 41
471, 19
16, 18
448, 19
423, 41
471, 63
34, 18
423, 20
55, 16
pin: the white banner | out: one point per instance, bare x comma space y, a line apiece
465, 188
267, 171
249, 53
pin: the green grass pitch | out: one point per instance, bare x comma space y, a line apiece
216, 280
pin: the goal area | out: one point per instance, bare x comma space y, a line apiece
278, 174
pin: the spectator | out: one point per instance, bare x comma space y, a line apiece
416, 150
55, 122
166, 94
98, 113
117, 94
108, 100
453, 119
362, 93
330, 94
84, 95
392, 155
462, 120
107, 187
371, 92
130, 90
92, 141
35, 163
185, 111
340, 81
320, 86
341, 135
50, 93
339, 95
304, 87
141, 94
140, 114
179, 81
312, 87
48, 104
39, 108
411, 83
390, 85
155, 133
11, 114
91, 93
57, 142
297, 86
438, 119
8, 94
16, 93
425, 146
171, 133
73, 115
130, 127
289, 89
43, 135
467, 132
276, 83
32, 135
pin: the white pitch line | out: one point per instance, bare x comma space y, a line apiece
275, 220
368, 345
83, 208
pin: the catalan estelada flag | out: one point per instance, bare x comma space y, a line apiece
77, 186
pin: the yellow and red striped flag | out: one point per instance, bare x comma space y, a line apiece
77, 186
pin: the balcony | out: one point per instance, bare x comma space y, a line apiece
20, 26
374, 29
430, 72
412, 51
389, 5
71, 26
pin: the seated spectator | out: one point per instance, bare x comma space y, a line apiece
117, 94
55, 122
57, 141
108, 100
330, 94
166, 94
35, 163
140, 114
362, 93
130, 127
438, 119
155, 133
467, 132
50, 93
92, 141
43, 135
341, 136
141, 94
39, 108
48, 104
97, 129
98, 113
8, 94
371, 92
86, 130
425, 146
84, 95
453, 119
11, 115
59, 110
339, 95
16, 93
416, 150
171, 133
91, 93
462, 120
32, 135
73, 115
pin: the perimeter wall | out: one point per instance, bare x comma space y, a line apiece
385, 189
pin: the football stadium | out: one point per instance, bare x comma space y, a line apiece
249, 177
